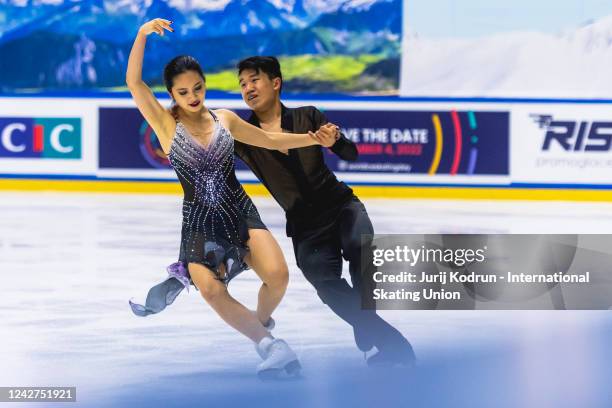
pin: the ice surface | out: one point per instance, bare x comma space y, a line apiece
70, 262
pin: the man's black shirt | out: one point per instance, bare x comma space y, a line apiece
300, 181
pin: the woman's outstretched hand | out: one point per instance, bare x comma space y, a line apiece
157, 25
326, 135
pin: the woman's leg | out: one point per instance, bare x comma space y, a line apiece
230, 310
266, 259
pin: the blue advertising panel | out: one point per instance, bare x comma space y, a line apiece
44, 138
408, 142
128, 142
422, 142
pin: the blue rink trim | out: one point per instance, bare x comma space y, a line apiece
372, 184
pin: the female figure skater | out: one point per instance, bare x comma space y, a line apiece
216, 241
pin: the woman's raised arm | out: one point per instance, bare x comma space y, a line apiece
155, 114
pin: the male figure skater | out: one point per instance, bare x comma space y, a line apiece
324, 218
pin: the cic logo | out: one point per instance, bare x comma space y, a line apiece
47, 138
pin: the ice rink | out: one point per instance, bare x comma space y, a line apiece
70, 263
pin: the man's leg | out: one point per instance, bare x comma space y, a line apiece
355, 222
320, 259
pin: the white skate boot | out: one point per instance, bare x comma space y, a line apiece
279, 359
269, 327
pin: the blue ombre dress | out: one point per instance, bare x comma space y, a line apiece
217, 213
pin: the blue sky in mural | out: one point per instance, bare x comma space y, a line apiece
472, 18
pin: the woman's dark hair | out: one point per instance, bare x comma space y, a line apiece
269, 65
179, 65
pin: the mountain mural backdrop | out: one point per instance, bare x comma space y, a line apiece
325, 46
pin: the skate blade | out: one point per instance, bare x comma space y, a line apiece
394, 365
290, 371
270, 374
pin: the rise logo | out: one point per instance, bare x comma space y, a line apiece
47, 138
575, 136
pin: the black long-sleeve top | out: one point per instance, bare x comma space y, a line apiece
300, 181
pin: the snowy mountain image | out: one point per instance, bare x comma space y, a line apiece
343, 45
572, 64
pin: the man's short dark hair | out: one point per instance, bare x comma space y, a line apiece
269, 65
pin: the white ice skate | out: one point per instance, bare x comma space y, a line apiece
269, 326
279, 359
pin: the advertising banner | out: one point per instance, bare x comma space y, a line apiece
46, 136
425, 142
128, 142
83, 47
128, 146
431, 143
562, 144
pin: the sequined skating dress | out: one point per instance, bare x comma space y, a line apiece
215, 212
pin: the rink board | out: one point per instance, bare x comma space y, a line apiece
408, 148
